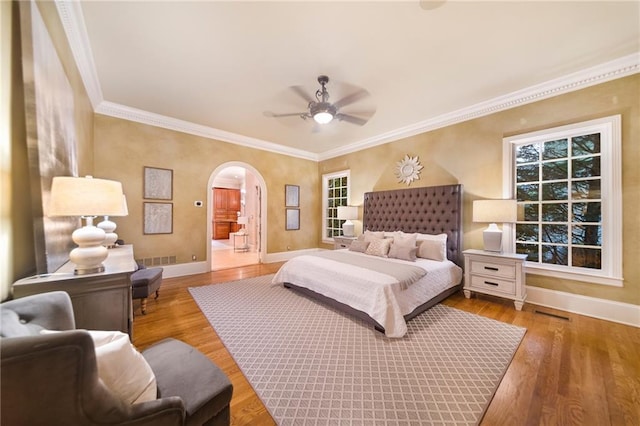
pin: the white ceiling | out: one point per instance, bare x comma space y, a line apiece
215, 67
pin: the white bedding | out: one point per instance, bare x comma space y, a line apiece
377, 294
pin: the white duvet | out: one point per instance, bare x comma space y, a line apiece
377, 294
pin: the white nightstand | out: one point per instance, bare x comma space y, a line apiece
498, 274
342, 242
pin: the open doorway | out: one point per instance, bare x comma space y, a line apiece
236, 219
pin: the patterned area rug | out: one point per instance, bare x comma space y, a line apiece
312, 365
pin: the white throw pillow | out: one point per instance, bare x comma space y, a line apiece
432, 247
379, 247
121, 367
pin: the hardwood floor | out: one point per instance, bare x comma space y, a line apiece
573, 371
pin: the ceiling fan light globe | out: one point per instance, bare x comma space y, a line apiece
323, 117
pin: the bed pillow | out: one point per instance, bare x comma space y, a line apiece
121, 367
432, 247
359, 246
404, 239
404, 252
379, 247
370, 235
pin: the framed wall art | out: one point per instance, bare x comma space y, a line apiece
158, 183
291, 196
158, 218
292, 219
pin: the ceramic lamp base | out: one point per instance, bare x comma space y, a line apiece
492, 237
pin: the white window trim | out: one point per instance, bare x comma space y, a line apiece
611, 165
325, 189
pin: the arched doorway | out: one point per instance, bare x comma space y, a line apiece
224, 253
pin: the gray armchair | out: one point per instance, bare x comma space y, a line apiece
52, 379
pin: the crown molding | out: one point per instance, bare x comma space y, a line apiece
157, 120
618, 68
73, 22
70, 13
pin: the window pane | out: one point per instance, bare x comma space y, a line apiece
555, 191
554, 170
527, 173
555, 149
587, 235
587, 212
526, 232
528, 212
555, 212
552, 233
587, 258
557, 255
527, 153
531, 250
344, 181
528, 192
584, 145
585, 167
586, 189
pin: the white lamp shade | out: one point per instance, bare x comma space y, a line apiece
86, 196
492, 211
495, 211
347, 212
243, 220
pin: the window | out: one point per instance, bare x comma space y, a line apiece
335, 190
567, 182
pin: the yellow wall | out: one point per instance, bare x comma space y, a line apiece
470, 153
123, 148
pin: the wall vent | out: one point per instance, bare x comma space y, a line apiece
158, 261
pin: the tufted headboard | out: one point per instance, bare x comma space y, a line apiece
428, 210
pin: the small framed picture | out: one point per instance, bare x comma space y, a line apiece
158, 218
291, 196
158, 183
293, 219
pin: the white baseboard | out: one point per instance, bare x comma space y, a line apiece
624, 313
181, 269
286, 255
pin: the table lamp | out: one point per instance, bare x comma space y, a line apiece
347, 213
493, 211
109, 226
87, 198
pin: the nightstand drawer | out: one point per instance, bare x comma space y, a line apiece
487, 283
493, 269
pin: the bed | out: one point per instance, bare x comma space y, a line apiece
388, 292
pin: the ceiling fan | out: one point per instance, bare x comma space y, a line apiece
322, 111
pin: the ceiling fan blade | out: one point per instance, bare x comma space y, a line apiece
352, 119
292, 114
300, 91
354, 97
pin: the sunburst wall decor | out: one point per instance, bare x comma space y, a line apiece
408, 169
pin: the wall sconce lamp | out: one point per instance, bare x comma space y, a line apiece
493, 211
349, 213
87, 197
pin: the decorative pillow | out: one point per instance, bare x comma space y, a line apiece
379, 247
369, 235
403, 239
359, 246
403, 252
432, 247
121, 367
